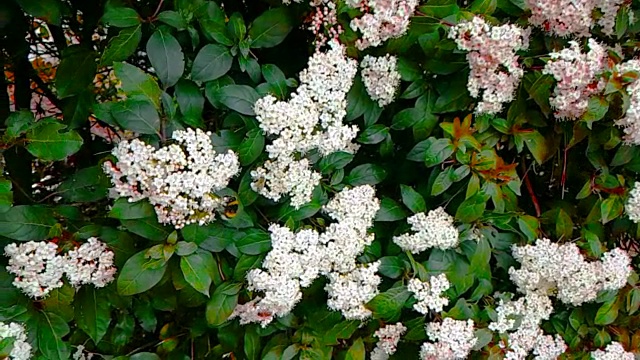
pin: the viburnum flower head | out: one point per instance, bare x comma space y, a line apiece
576, 75
495, 70
311, 119
380, 77
632, 207
179, 180
452, 340
548, 268
382, 20
631, 120
432, 230
388, 338
429, 293
37, 266
348, 293
21, 349
90, 263
613, 351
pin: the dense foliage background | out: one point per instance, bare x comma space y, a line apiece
81, 75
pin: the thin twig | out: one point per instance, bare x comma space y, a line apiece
527, 183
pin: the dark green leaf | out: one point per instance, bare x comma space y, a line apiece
270, 28
391, 267
122, 46
198, 269
356, 351
26, 223
390, 211
238, 97
222, 303
139, 274
51, 329
166, 57
212, 62
255, 242
75, 72
366, 174
92, 312
251, 147
120, 16
412, 199
138, 116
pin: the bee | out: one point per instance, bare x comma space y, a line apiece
231, 207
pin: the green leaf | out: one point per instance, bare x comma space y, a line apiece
611, 208
334, 161
138, 116
539, 147
46, 142
191, 102
139, 274
198, 269
472, 208
633, 300
270, 28
6, 195
75, 72
373, 134
252, 344
391, 267
122, 46
51, 329
212, 62
388, 305
412, 199
222, 303
166, 57
356, 351
144, 356
486, 7
529, 226
608, 312
366, 174
92, 312
443, 181
147, 227
251, 147
137, 84
238, 97
212, 237
26, 223
120, 16
406, 118
255, 242
47, 10
18, 123
173, 18
236, 27
124, 210
87, 185
390, 211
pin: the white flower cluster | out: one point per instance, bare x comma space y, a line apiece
382, 20
562, 17
453, 339
297, 259
433, 230
21, 348
631, 121
429, 293
573, 18
179, 179
521, 321
609, 9
91, 263
349, 292
312, 119
81, 354
381, 78
388, 338
576, 76
632, 207
493, 61
613, 351
548, 267
39, 269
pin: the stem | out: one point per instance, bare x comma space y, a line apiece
157, 9
532, 194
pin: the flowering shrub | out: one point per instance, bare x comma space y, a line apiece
319, 179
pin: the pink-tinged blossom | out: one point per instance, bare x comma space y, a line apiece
493, 61
609, 9
562, 17
382, 20
90, 263
613, 351
631, 120
577, 79
380, 77
388, 338
37, 266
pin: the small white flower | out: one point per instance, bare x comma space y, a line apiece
91, 263
452, 339
388, 338
429, 293
380, 78
613, 351
433, 230
37, 266
21, 348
